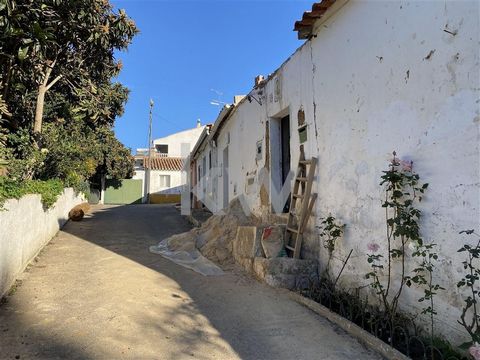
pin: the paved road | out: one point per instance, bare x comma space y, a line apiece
95, 292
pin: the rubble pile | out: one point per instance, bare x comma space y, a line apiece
241, 239
216, 236
212, 241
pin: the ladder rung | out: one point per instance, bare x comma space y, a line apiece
292, 230
301, 179
306, 162
289, 248
298, 196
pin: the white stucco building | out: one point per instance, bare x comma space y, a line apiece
372, 77
162, 173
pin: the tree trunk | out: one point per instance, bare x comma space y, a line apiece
37, 126
42, 90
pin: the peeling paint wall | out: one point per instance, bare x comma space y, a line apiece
398, 81
378, 77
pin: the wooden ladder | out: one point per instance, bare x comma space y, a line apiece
301, 191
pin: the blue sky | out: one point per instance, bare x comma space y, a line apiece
187, 48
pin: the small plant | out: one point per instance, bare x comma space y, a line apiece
402, 191
375, 261
424, 277
470, 283
330, 232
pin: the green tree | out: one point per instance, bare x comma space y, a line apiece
67, 44
57, 64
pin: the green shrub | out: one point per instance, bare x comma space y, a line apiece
49, 190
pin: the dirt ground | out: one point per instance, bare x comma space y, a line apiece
96, 292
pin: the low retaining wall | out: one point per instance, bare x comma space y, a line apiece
250, 250
25, 228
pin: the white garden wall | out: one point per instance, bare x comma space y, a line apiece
25, 228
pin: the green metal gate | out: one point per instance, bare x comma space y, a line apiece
127, 191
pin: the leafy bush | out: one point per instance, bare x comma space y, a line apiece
24, 159
49, 190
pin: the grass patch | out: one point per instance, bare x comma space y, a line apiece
49, 190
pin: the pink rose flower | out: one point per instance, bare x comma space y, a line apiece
475, 351
374, 248
406, 165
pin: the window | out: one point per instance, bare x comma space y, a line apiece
204, 165
161, 148
164, 181
210, 159
302, 134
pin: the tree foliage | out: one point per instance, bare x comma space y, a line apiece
58, 100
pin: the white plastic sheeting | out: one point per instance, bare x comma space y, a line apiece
190, 258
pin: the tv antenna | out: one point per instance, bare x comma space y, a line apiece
217, 101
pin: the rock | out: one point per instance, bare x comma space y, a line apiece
79, 211
246, 246
222, 255
76, 214
272, 241
286, 272
247, 242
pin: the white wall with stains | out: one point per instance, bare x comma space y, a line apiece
378, 90
378, 77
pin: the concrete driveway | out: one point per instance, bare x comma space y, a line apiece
95, 292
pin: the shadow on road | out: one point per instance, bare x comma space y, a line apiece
225, 301
97, 292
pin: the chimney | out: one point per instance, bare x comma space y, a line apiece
237, 99
199, 124
259, 79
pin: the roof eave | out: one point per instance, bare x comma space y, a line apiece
311, 20
203, 136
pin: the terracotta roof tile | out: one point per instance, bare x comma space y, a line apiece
164, 163
304, 27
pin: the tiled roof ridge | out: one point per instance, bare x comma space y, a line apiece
304, 27
168, 163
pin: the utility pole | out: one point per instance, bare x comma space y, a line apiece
150, 130
150, 145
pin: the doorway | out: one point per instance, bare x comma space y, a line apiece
285, 146
280, 155
225, 177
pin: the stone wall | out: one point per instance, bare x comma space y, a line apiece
25, 228
252, 251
